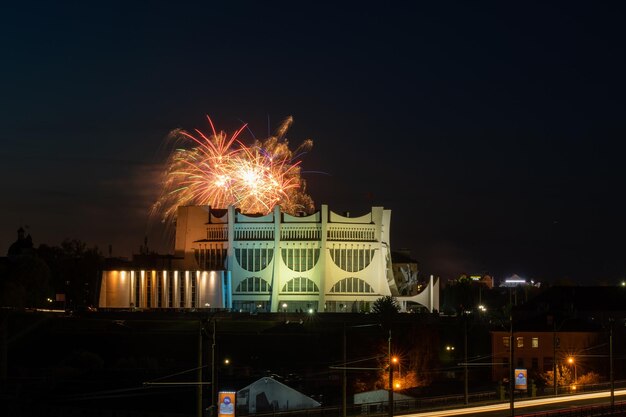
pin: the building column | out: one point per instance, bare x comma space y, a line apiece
323, 254
275, 281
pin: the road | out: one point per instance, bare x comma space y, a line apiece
527, 406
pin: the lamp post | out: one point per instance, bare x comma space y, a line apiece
511, 367
611, 364
199, 373
396, 361
390, 378
213, 376
344, 384
554, 376
465, 369
344, 367
572, 361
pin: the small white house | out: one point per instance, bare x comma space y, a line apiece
267, 394
375, 401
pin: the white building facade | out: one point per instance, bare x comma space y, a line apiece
278, 262
323, 262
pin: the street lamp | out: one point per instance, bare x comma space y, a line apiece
396, 361
390, 411
572, 361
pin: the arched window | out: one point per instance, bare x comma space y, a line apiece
254, 259
301, 285
352, 285
300, 259
352, 260
253, 284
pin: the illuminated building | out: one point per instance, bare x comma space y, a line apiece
274, 262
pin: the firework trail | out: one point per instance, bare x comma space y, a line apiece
218, 170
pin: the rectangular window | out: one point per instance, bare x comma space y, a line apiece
300, 260
547, 363
535, 342
535, 363
137, 290
149, 291
181, 291
193, 292
349, 261
520, 342
159, 290
505, 341
520, 362
362, 258
170, 291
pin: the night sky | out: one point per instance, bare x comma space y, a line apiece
494, 131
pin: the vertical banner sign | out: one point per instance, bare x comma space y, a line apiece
521, 379
226, 403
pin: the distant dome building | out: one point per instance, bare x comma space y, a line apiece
22, 246
323, 262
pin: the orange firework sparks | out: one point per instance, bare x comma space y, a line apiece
219, 171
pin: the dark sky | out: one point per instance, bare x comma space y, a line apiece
493, 131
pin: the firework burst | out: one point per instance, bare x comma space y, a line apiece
219, 170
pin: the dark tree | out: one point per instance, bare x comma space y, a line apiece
386, 305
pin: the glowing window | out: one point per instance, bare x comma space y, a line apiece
254, 259
301, 285
253, 285
352, 260
352, 285
300, 259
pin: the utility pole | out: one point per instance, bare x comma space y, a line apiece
511, 367
344, 384
611, 364
465, 360
390, 378
554, 376
213, 376
199, 388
